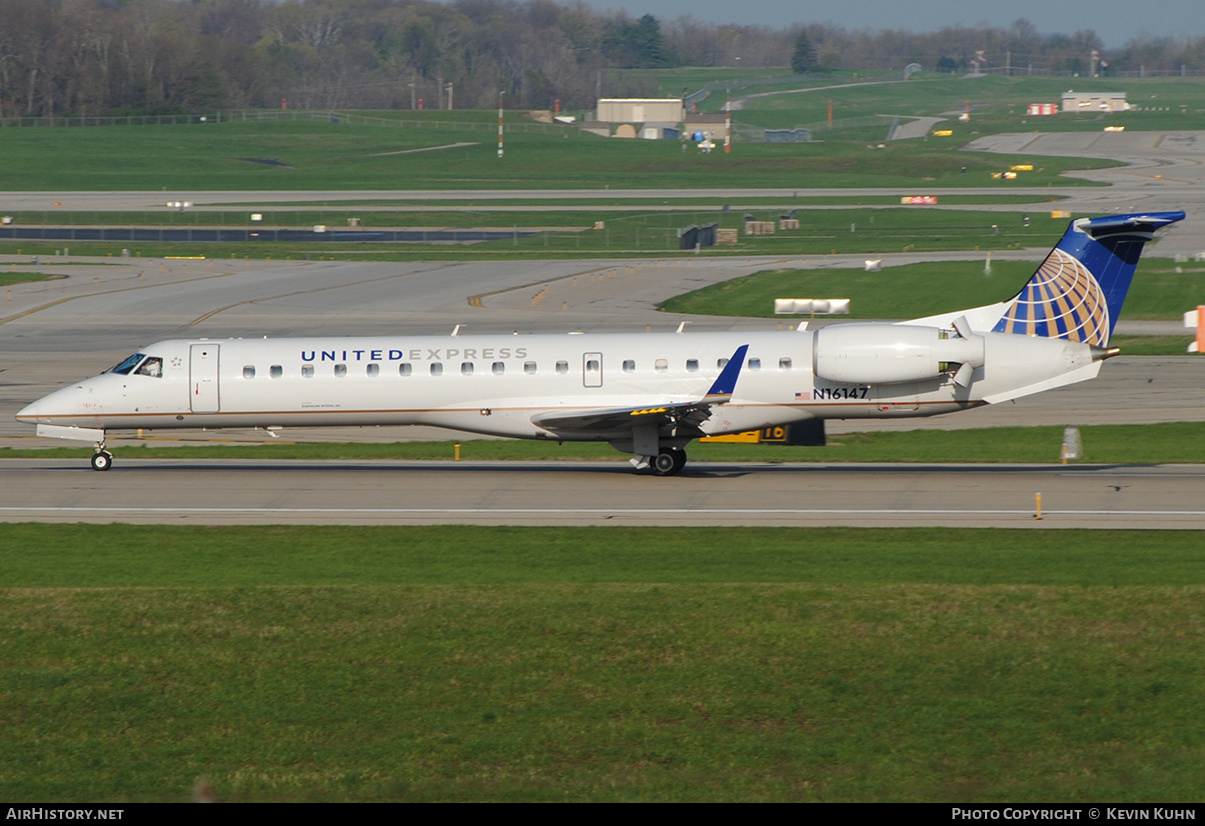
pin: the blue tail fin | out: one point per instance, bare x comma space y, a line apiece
1078, 291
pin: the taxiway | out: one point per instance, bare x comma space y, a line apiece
223, 492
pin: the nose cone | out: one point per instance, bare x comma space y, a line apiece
29, 413
60, 403
39, 410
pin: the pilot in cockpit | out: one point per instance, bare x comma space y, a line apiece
151, 367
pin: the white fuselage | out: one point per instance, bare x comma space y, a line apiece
499, 384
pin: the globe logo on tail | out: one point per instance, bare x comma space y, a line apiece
1062, 300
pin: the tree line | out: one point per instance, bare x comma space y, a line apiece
88, 58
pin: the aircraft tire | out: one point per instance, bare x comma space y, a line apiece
669, 461
102, 460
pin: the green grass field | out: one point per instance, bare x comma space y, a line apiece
365, 154
14, 277
1153, 345
1161, 289
459, 663
345, 156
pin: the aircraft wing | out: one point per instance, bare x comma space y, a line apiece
621, 420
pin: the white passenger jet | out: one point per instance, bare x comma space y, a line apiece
648, 394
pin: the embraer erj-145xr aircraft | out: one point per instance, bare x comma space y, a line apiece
648, 394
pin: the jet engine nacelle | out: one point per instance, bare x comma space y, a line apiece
889, 353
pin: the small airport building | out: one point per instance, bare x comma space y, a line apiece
713, 124
650, 118
640, 110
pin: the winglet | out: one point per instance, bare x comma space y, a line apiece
721, 390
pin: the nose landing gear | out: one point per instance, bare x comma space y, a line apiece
101, 459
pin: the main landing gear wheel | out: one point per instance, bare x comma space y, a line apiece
669, 461
102, 460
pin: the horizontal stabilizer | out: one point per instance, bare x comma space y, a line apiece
1140, 223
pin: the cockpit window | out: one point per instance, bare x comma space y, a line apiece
129, 364
153, 366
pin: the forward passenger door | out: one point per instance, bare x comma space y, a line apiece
203, 378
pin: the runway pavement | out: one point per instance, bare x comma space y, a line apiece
506, 493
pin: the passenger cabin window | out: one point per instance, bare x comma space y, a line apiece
249, 372
692, 365
374, 369
466, 368
437, 369
592, 366
340, 370
721, 363
661, 365
784, 364
499, 367
529, 367
562, 367
754, 364
629, 366
153, 366
276, 371
128, 364
405, 369
307, 371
